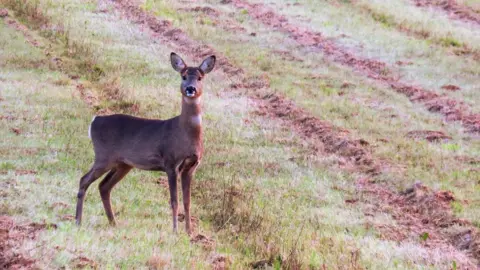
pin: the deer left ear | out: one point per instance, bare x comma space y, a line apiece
208, 64
177, 62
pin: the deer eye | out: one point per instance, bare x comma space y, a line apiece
199, 78
184, 78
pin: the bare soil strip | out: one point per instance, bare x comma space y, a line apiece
453, 110
12, 237
462, 50
454, 10
426, 212
426, 216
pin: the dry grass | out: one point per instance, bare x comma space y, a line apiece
259, 195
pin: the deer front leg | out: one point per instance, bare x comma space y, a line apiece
187, 175
186, 180
172, 184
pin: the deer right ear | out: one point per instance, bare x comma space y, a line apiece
177, 62
208, 64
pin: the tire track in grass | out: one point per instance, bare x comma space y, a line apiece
454, 10
459, 49
419, 211
451, 109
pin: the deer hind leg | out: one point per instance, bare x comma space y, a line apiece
190, 165
92, 175
106, 186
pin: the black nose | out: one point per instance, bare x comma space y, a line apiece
190, 90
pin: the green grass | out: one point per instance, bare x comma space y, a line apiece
290, 205
370, 112
390, 45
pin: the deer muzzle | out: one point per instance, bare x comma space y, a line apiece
190, 91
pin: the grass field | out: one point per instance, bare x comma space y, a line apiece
311, 162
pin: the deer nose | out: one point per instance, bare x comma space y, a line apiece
190, 91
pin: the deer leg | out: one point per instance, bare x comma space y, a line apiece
172, 184
187, 175
92, 175
105, 187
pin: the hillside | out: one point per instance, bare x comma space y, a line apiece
339, 134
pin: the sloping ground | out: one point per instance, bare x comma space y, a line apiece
454, 9
307, 125
411, 222
443, 38
450, 48
467, 179
29, 78
453, 110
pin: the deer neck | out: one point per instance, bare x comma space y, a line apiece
191, 116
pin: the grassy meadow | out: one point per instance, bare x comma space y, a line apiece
260, 193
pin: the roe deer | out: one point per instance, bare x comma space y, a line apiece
175, 146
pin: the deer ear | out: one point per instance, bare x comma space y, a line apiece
177, 62
208, 64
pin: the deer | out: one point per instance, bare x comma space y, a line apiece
174, 146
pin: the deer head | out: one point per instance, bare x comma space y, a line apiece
191, 86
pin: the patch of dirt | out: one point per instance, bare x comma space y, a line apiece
454, 9
25, 172
261, 264
87, 95
12, 237
17, 131
158, 262
23, 29
83, 262
58, 205
404, 63
429, 135
287, 55
451, 87
469, 160
206, 10
8, 117
426, 216
204, 241
67, 217
453, 110
3, 12
163, 182
194, 221
218, 261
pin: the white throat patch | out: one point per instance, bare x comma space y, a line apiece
192, 100
196, 120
